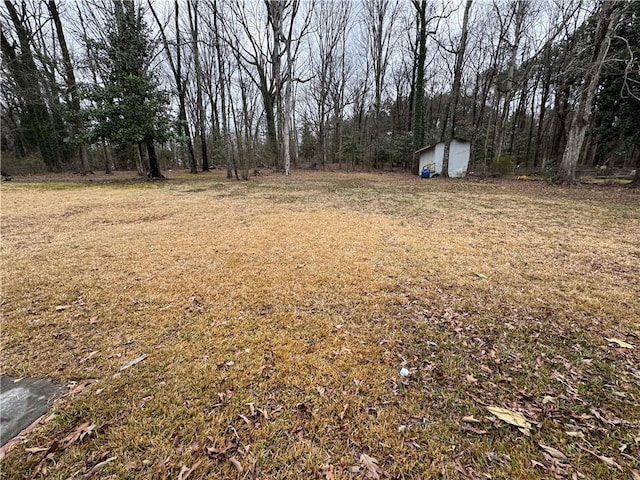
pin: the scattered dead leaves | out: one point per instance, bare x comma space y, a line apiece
371, 467
277, 342
512, 418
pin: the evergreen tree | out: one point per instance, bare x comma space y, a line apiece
617, 103
130, 107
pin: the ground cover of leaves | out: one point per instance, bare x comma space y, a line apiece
277, 315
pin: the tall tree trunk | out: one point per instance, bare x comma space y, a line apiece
636, 178
176, 68
107, 158
181, 85
519, 14
72, 87
240, 150
607, 19
455, 92
269, 103
193, 23
275, 13
245, 123
141, 159
223, 89
154, 166
418, 109
546, 87
286, 123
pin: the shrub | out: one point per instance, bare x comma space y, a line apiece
502, 166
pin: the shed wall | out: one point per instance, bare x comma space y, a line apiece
458, 158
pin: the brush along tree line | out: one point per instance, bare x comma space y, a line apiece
548, 86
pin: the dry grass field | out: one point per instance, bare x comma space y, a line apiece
277, 315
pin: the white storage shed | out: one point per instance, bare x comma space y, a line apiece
458, 158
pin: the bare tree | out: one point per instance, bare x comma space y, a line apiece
192, 8
330, 25
180, 81
517, 13
72, 87
224, 87
608, 15
292, 41
380, 17
450, 124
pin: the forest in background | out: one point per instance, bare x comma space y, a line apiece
548, 86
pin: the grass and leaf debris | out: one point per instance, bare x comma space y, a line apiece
326, 325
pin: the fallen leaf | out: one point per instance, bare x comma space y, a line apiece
61, 307
133, 362
474, 430
470, 419
78, 434
227, 445
95, 352
582, 416
480, 275
461, 468
99, 466
577, 434
371, 466
186, 471
609, 461
411, 442
344, 410
471, 379
236, 464
496, 457
538, 464
635, 474
81, 387
512, 418
36, 449
620, 343
554, 452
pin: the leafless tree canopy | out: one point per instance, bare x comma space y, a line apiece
535, 85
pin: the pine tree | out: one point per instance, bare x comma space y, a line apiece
130, 107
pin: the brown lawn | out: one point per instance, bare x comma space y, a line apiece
276, 316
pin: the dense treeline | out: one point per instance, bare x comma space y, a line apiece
534, 85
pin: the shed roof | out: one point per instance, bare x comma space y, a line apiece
429, 147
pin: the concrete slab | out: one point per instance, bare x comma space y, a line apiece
22, 401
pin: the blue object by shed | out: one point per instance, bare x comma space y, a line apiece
426, 173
